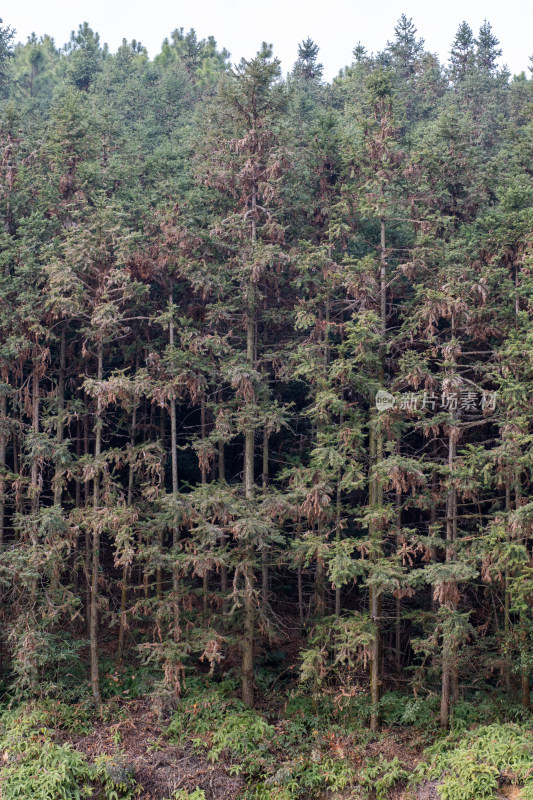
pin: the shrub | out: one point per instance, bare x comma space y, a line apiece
36, 767
472, 764
380, 776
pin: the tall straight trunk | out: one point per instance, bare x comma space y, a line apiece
320, 578
95, 561
203, 431
517, 286
58, 471
16, 469
432, 522
376, 497
524, 650
249, 483
222, 479
382, 280
34, 484
338, 527
374, 594
34, 492
338, 498
86, 496
159, 571
221, 449
398, 609
86, 450
300, 597
77, 500
248, 689
3, 451
338, 538
175, 531
320, 575
264, 551
35, 428
58, 476
524, 671
507, 664
449, 673
125, 568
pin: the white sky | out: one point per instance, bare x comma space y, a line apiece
241, 25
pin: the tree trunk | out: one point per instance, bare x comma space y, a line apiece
86, 488
58, 476
203, 425
507, 665
175, 531
449, 688
398, 609
338, 528
125, 568
524, 669
374, 596
95, 563
376, 498
159, 571
3, 450
264, 551
248, 689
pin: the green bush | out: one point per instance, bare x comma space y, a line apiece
222, 725
128, 681
36, 767
380, 775
472, 764
73, 718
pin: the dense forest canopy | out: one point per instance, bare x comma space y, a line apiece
266, 371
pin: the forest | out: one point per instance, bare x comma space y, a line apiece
266, 422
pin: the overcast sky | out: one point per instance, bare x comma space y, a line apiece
241, 25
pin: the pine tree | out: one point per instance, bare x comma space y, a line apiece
406, 48
462, 54
85, 57
307, 67
487, 51
7, 34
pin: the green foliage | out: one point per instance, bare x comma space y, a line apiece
206, 276
35, 766
222, 726
74, 718
473, 764
127, 682
243, 734
117, 778
381, 775
183, 794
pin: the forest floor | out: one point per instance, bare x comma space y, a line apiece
299, 743
162, 768
210, 747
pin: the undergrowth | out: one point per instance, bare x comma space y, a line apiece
472, 764
35, 766
282, 752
